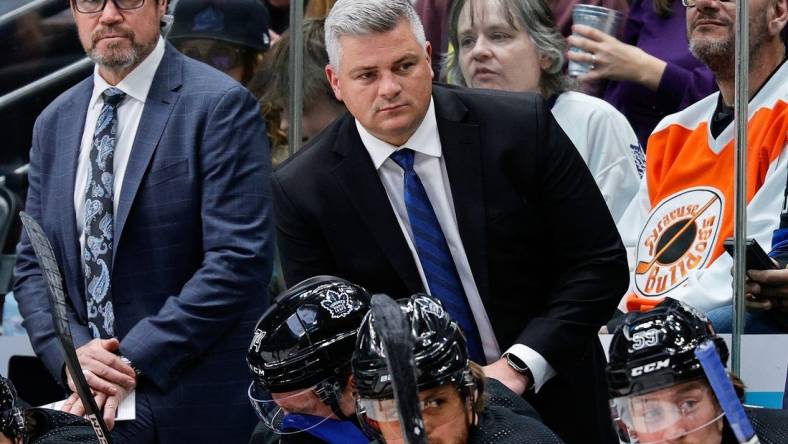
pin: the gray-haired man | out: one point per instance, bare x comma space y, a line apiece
470, 195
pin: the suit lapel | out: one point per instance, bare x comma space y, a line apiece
462, 151
158, 107
68, 143
360, 181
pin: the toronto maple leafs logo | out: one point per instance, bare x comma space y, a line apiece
430, 305
339, 304
210, 19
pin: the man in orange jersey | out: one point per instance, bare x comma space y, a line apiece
675, 227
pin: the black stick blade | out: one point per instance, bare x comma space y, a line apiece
398, 343
57, 302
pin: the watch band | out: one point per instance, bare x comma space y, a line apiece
522, 368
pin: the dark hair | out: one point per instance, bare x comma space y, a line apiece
318, 8
534, 18
480, 400
276, 65
250, 59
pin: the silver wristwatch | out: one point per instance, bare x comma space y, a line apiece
522, 368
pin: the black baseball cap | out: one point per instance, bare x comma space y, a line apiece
241, 22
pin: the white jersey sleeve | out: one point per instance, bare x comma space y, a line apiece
607, 143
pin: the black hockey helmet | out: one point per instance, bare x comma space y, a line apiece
12, 423
308, 334
440, 351
655, 349
301, 348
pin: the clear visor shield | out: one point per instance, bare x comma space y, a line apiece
380, 417
291, 412
685, 410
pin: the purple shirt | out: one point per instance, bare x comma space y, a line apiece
434, 15
685, 80
562, 11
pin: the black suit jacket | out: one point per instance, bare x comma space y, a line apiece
542, 246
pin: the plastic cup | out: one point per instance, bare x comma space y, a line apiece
604, 19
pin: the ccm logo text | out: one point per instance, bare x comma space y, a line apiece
650, 367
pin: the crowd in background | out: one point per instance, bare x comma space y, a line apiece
642, 73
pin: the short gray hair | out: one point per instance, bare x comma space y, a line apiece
535, 18
364, 17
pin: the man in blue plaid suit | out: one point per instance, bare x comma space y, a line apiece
151, 179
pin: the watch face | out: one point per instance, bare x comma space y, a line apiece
522, 368
517, 363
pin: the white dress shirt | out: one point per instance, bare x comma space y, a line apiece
431, 168
136, 86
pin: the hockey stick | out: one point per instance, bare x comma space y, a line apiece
57, 303
391, 326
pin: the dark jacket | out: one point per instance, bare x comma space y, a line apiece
544, 252
45, 426
192, 245
508, 418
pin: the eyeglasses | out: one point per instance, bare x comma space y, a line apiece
93, 6
220, 55
691, 3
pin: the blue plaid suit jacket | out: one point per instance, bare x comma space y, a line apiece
193, 245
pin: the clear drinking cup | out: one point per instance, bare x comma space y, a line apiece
606, 20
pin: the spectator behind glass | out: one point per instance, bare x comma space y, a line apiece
653, 72
766, 290
675, 227
272, 83
231, 36
513, 45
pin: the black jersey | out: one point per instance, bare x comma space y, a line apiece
47, 426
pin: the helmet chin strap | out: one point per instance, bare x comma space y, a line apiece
329, 391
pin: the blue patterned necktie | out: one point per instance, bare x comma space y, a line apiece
98, 220
435, 256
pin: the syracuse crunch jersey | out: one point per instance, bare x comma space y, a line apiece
675, 227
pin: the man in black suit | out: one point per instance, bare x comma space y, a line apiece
476, 196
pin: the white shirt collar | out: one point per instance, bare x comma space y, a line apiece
425, 140
137, 83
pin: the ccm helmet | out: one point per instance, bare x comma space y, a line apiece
303, 342
656, 349
657, 386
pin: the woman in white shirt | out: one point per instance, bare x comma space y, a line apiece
513, 45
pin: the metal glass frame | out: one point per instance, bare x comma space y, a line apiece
104, 5
691, 3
